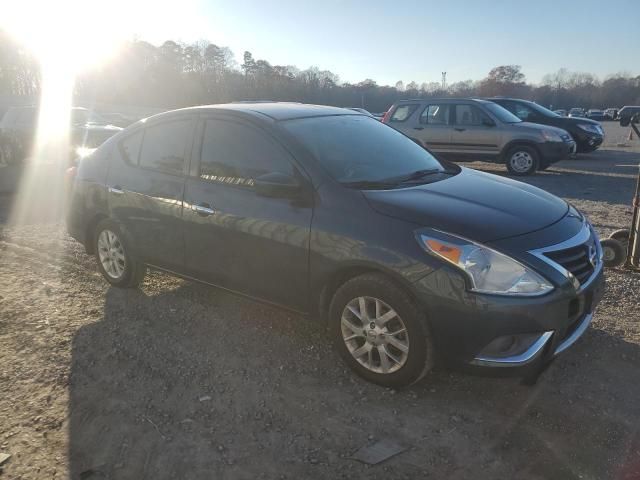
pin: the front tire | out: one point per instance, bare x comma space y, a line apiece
380, 332
522, 160
115, 260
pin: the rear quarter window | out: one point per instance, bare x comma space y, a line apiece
403, 112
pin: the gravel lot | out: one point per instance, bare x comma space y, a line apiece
178, 380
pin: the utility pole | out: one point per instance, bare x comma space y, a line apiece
444, 80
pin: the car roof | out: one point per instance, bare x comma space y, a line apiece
273, 110
443, 100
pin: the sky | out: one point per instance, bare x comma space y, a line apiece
387, 41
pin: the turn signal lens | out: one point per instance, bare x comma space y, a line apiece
449, 252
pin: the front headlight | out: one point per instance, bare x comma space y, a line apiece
488, 270
587, 127
551, 136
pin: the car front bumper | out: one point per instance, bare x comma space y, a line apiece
555, 151
464, 324
588, 139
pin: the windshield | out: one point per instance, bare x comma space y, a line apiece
542, 110
501, 113
358, 149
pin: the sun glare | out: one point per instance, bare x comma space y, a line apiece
68, 37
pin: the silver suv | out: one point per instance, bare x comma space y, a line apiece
472, 129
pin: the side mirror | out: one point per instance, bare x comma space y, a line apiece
487, 122
277, 184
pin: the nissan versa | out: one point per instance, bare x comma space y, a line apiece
331, 213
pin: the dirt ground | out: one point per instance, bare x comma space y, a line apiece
179, 380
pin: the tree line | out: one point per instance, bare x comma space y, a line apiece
176, 75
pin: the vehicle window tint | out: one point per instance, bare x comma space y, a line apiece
403, 112
164, 145
356, 148
522, 111
469, 115
131, 147
236, 154
435, 115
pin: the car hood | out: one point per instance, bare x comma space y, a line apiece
575, 121
472, 204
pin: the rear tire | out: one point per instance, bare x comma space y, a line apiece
522, 160
115, 260
380, 332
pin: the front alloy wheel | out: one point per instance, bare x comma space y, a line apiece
380, 332
375, 335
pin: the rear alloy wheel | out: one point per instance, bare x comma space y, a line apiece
379, 331
111, 254
116, 264
522, 161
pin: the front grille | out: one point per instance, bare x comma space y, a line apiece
577, 260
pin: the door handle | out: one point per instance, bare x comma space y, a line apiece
459, 129
418, 128
203, 209
116, 190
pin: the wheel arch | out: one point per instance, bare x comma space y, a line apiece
516, 143
342, 275
89, 232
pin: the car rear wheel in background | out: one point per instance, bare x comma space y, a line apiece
522, 160
115, 261
380, 332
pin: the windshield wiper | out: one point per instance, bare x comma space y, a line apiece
418, 174
368, 184
392, 182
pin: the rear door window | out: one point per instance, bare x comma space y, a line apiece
164, 146
437, 114
469, 115
403, 112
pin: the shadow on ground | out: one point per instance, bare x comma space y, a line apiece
197, 383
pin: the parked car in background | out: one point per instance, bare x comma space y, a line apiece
118, 119
611, 114
472, 129
562, 113
595, 114
577, 112
18, 129
626, 113
588, 134
328, 212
